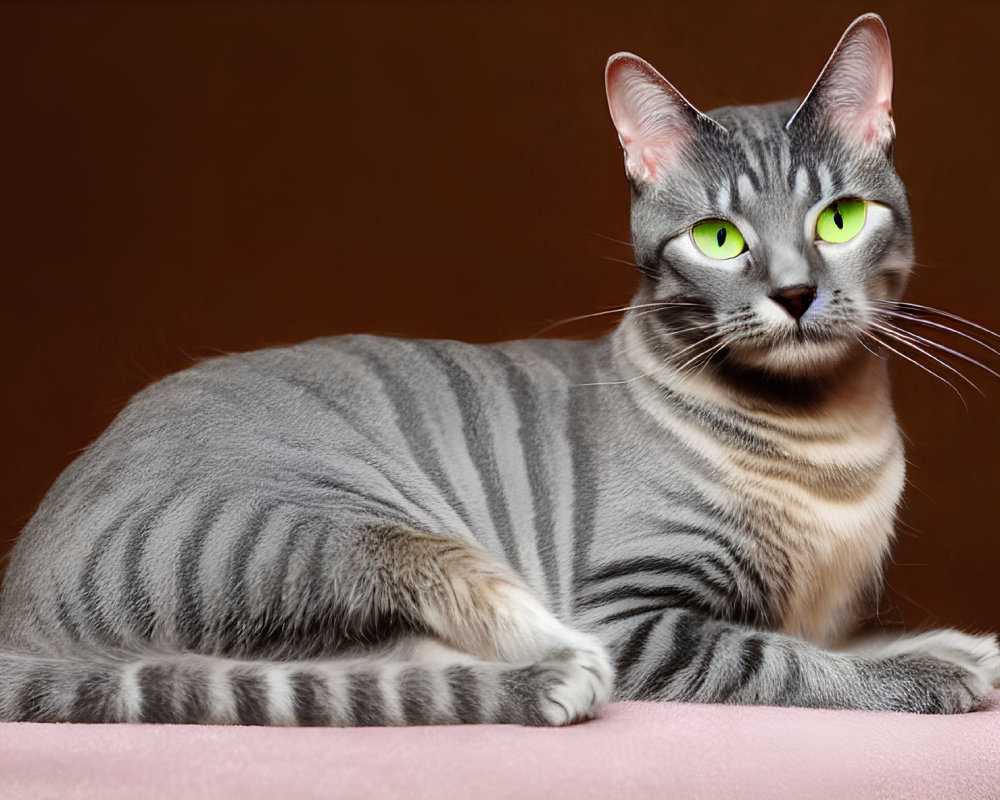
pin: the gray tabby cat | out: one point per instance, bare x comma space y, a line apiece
366, 531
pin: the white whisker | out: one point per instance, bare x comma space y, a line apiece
901, 337
918, 364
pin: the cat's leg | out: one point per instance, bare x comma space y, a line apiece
683, 654
473, 603
978, 653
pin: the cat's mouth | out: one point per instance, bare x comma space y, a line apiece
797, 348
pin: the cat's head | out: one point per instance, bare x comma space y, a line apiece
776, 229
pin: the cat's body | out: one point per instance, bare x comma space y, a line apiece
365, 531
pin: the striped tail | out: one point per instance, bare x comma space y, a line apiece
447, 688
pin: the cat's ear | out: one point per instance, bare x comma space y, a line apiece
653, 119
853, 93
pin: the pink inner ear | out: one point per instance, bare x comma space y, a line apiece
857, 84
854, 91
649, 114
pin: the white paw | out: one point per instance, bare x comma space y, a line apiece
579, 679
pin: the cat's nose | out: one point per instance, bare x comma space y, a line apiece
795, 299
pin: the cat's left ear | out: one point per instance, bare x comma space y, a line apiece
853, 94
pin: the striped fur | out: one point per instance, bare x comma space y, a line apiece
367, 531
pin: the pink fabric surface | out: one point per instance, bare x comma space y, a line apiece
634, 750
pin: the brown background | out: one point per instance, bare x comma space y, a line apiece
179, 179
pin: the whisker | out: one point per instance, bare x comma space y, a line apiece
949, 351
622, 261
939, 326
709, 355
619, 383
709, 352
898, 336
917, 308
927, 369
609, 238
655, 306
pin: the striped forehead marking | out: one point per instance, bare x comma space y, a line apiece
745, 188
825, 181
724, 198
801, 187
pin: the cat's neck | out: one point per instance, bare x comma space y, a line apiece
851, 394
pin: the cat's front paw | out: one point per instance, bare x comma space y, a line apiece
940, 672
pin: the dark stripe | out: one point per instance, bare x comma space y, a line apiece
692, 567
367, 703
95, 698
532, 437
691, 564
417, 697
91, 588
751, 660
757, 610
629, 613
250, 697
242, 546
672, 596
189, 594
317, 581
520, 696
193, 697
465, 697
704, 667
579, 420
631, 649
136, 602
680, 651
791, 687
35, 700
156, 690
410, 419
310, 700
476, 426
278, 576
722, 425
722, 596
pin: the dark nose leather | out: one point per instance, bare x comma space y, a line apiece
795, 299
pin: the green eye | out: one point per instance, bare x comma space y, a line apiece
717, 238
842, 220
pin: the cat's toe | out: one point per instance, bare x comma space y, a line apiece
580, 680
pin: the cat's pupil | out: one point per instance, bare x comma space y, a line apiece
838, 220
720, 237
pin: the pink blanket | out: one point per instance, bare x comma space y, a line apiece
635, 750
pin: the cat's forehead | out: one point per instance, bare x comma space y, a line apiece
754, 163
759, 155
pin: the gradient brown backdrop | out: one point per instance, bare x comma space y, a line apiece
180, 179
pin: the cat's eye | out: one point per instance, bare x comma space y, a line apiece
842, 220
717, 238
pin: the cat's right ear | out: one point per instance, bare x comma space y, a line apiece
653, 119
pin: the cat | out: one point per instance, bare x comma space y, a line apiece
371, 531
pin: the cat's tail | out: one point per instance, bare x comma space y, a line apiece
414, 683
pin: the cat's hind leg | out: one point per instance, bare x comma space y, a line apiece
474, 604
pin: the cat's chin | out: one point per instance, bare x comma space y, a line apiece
800, 359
